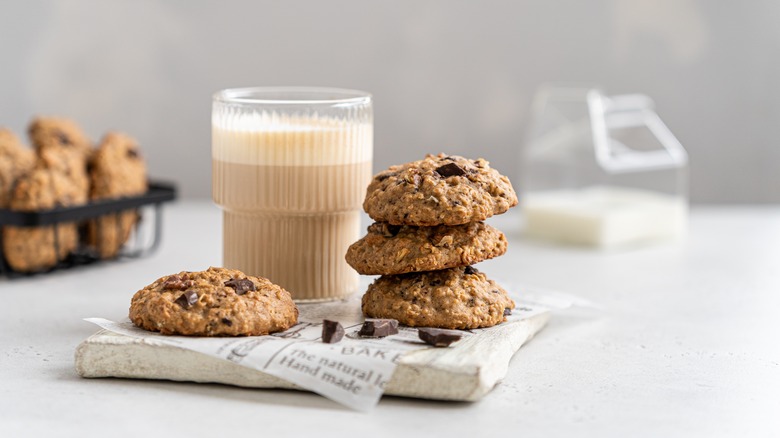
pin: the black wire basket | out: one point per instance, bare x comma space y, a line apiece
137, 246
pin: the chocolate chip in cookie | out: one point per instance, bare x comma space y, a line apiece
187, 299
177, 282
450, 169
241, 285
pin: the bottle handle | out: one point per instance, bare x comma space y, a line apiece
609, 113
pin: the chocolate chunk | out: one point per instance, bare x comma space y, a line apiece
176, 282
227, 322
507, 311
450, 169
391, 230
133, 153
470, 270
384, 176
332, 331
384, 229
63, 138
378, 328
438, 337
241, 285
187, 299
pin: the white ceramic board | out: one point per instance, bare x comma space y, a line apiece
466, 371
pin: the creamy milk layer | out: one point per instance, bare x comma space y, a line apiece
604, 216
278, 140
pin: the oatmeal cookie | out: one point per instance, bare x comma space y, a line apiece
457, 298
15, 161
393, 249
215, 302
116, 169
438, 190
29, 249
60, 144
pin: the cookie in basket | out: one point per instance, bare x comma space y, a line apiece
457, 298
60, 144
215, 302
29, 249
393, 249
117, 169
438, 190
15, 161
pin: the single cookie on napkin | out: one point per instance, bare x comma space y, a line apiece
214, 302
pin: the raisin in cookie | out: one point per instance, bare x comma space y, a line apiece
116, 169
457, 298
215, 302
30, 249
15, 161
438, 190
393, 249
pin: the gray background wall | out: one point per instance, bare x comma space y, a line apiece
455, 76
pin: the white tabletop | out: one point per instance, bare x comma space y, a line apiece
687, 343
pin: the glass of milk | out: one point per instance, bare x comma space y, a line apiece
602, 171
290, 167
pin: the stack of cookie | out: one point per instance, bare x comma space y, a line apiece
64, 170
428, 232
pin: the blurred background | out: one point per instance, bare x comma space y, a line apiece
450, 76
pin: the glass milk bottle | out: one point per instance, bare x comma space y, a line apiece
602, 171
